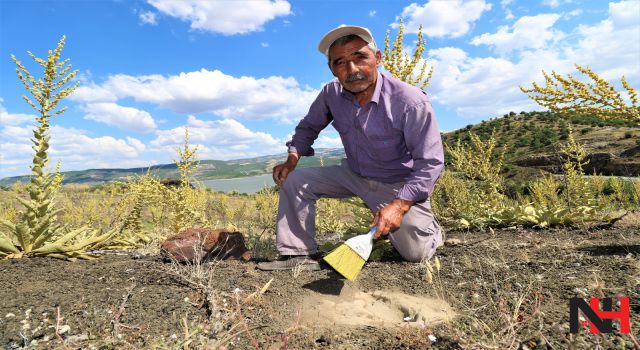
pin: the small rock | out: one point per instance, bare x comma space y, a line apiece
77, 338
64, 329
453, 242
583, 292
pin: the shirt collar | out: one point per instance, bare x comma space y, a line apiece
376, 92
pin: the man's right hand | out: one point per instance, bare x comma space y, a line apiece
281, 171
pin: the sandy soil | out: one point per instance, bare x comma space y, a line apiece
496, 289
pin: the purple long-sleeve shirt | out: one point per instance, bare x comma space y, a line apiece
393, 138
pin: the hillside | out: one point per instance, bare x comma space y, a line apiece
531, 140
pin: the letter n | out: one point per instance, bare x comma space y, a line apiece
597, 324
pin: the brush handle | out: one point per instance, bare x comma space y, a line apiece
372, 231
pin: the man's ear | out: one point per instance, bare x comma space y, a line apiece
378, 57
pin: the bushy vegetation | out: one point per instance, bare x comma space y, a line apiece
471, 192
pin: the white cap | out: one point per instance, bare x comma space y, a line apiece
341, 31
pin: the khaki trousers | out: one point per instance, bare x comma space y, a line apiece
417, 238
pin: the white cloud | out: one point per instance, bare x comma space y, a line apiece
555, 3
148, 17
505, 3
135, 143
509, 15
264, 44
372, 13
90, 92
625, 13
225, 17
528, 32
219, 139
452, 18
484, 87
478, 87
325, 141
573, 13
74, 147
608, 47
123, 118
211, 91
7, 118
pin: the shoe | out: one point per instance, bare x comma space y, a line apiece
303, 262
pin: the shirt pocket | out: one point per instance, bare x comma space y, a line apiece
387, 147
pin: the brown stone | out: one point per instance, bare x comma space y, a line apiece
203, 244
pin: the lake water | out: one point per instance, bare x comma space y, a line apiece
249, 184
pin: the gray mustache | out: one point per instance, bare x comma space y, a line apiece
355, 77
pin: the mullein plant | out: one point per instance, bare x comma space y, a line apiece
570, 96
37, 232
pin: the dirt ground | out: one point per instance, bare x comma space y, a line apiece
500, 289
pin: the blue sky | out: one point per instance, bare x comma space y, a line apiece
240, 74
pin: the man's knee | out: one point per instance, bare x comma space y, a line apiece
294, 180
415, 243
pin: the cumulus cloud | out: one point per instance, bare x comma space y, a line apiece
7, 118
453, 18
90, 92
484, 87
225, 17
123, 118
219, 139
210, 91
528, 32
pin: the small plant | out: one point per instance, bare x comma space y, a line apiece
400, 65
577, 191
480, 164
37, 233
185, 199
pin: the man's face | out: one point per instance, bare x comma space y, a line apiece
354, 65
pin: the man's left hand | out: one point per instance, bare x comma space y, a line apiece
389, 218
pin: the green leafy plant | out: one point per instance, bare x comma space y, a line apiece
37, 232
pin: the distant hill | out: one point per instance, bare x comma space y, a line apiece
208, 169
531, 140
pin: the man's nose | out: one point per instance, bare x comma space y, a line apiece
351, 67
